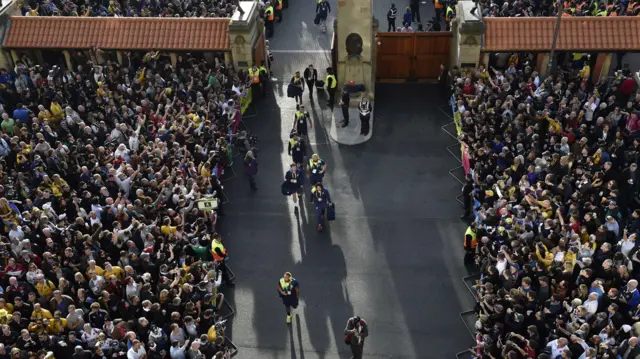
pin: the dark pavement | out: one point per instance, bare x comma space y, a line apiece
392, 256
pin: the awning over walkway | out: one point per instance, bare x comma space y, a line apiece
604, 34
167, 34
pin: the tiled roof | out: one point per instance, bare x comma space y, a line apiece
576, 33
118, 33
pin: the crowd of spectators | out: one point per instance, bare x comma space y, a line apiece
527, 8
555, 181
123, 8
103, 250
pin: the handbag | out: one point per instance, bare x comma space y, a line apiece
319, 84
316, 20
331, 212
286, 191
347, 339
291, 91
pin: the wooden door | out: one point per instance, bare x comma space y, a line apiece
431, 49
259, 50
394, 55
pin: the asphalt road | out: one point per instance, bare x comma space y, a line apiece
392, 256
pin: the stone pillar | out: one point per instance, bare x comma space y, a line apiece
542, 64
468, 35
602, 66
119, 57
174, 58
244, 31
354, 40
228, 59
355, 58
38, 57
67, 59
14, 56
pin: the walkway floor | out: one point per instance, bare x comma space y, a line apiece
392, 256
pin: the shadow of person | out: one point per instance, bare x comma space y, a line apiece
326, 306
292, 344
299, 330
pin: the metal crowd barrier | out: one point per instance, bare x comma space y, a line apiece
469, 281
234, 348
468, 317
454, 135
229, 310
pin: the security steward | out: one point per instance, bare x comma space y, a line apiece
220, 256
449, 15
301, 118
344, 104
316, 170
256, 86
439, 6
264, 77
310, 76
268, 19
279, 10
289, 291
332, 84
470, 244
297, 150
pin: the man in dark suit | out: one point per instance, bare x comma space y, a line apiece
310, 76
344, 104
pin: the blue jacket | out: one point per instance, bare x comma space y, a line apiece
407, 18
322, 200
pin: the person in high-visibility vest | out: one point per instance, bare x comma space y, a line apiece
439, 9
470, 243
256, 87
268, 19
300, 119
449, 15
332, 85
297, 150
279, 10
220, 255
316, 170
289, 291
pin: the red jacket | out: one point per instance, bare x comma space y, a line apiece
628, 86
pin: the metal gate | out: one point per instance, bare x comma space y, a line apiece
416, 56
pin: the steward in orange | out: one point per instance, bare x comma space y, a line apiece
256, 86
439, 5
220, 257
470, 243
279, 10
268, 19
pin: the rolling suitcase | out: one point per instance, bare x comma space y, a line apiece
331, 212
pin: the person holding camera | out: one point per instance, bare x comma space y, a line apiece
355, 333
289, 291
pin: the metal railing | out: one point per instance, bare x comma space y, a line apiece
467, 316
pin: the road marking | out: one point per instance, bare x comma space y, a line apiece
301, 51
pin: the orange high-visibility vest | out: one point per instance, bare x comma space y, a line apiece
255, 76
269, 13
215, 245
279, 5
438, 4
